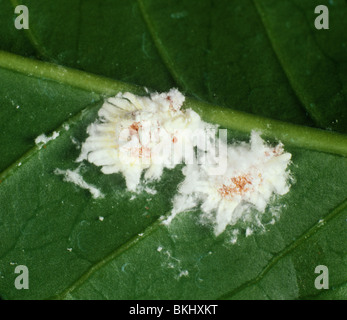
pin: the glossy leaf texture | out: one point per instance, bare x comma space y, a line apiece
263, 57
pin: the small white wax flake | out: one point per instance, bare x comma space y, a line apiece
233, 240
140, 234
101, 218
235, 234
255, 172
124, 267
273, 221
173, 263
150, 190
17, 107
249, 231
75, 141
66, 127
183, 273
140, 188
43, 139
69, 249
19, 164
76, 178
135, 133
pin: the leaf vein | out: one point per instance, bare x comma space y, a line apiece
286, 251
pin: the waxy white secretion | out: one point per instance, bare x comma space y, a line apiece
135, 134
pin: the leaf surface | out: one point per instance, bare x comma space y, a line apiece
248, 57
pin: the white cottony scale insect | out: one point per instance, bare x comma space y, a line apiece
255, 172
136, 133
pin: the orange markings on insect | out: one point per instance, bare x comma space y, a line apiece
276, 151
239, 185
174, 139
168, 98
134, 128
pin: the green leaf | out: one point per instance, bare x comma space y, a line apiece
244, 55
228, 56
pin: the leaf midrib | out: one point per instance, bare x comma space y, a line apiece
291, 134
